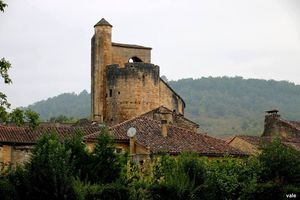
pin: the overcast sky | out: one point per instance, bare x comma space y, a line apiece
48, 41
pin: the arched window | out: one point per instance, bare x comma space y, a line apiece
134, 59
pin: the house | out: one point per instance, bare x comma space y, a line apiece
16, 142
154, 137
275, 126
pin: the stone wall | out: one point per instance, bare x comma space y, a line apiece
131, 91
13, 155
274, 126
136, 89
170, 99
121, 54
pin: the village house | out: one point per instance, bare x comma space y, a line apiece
275, 126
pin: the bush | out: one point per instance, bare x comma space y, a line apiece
109, 191
280, 163
164, 191
267, 191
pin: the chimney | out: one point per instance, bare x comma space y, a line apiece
132, 149
271, 123
164, 128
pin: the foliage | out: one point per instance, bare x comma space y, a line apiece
2, 5
69, 105
66, 170
280, 164
19, 117
4, 67
62, 119
49, 174
105, 165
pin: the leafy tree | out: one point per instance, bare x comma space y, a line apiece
62, 119
105, 165
2, 5
4, 67
32, 118
49, 173
19, 117
280, 163
79, 157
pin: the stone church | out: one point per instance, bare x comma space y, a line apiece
127, 92
124, 82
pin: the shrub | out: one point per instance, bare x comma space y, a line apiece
280, 163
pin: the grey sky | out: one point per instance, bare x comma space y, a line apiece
48, 41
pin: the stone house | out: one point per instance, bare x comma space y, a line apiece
155, 137
275, 126
16, 142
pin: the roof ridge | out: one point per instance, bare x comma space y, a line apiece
289, 123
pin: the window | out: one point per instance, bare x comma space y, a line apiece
134, 59
110, 92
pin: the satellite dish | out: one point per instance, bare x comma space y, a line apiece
131, 132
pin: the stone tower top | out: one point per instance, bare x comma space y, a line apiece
103, 22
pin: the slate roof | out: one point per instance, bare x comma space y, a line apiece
103, 22
134, 46
26, 135
178, 139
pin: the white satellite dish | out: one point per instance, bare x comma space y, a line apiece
131, 132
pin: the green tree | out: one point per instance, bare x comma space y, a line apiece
4, 67
79, 157
20, 117
2, 5
105, 166
49, 174
280, 163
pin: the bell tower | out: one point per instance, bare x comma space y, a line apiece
101, 56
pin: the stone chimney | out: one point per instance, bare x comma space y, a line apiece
271, 123
164, 128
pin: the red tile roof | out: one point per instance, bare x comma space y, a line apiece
178, 139
290, 141
15, 134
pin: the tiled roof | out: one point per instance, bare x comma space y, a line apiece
178, 139
165, 110
15, 134
290, 141
254, 140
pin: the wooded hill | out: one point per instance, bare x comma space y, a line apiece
222, 106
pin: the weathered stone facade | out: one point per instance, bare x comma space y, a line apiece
171, 118
11, 154
275, 126
122, 89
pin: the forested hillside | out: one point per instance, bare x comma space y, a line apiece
222, 106
225, 106
67, 104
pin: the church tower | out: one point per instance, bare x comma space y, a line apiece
124, 83
101, 57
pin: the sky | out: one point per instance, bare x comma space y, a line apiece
48, 41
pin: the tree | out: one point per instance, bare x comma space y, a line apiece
105, 164
49, 174
2, 5
280, 163
20, 117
